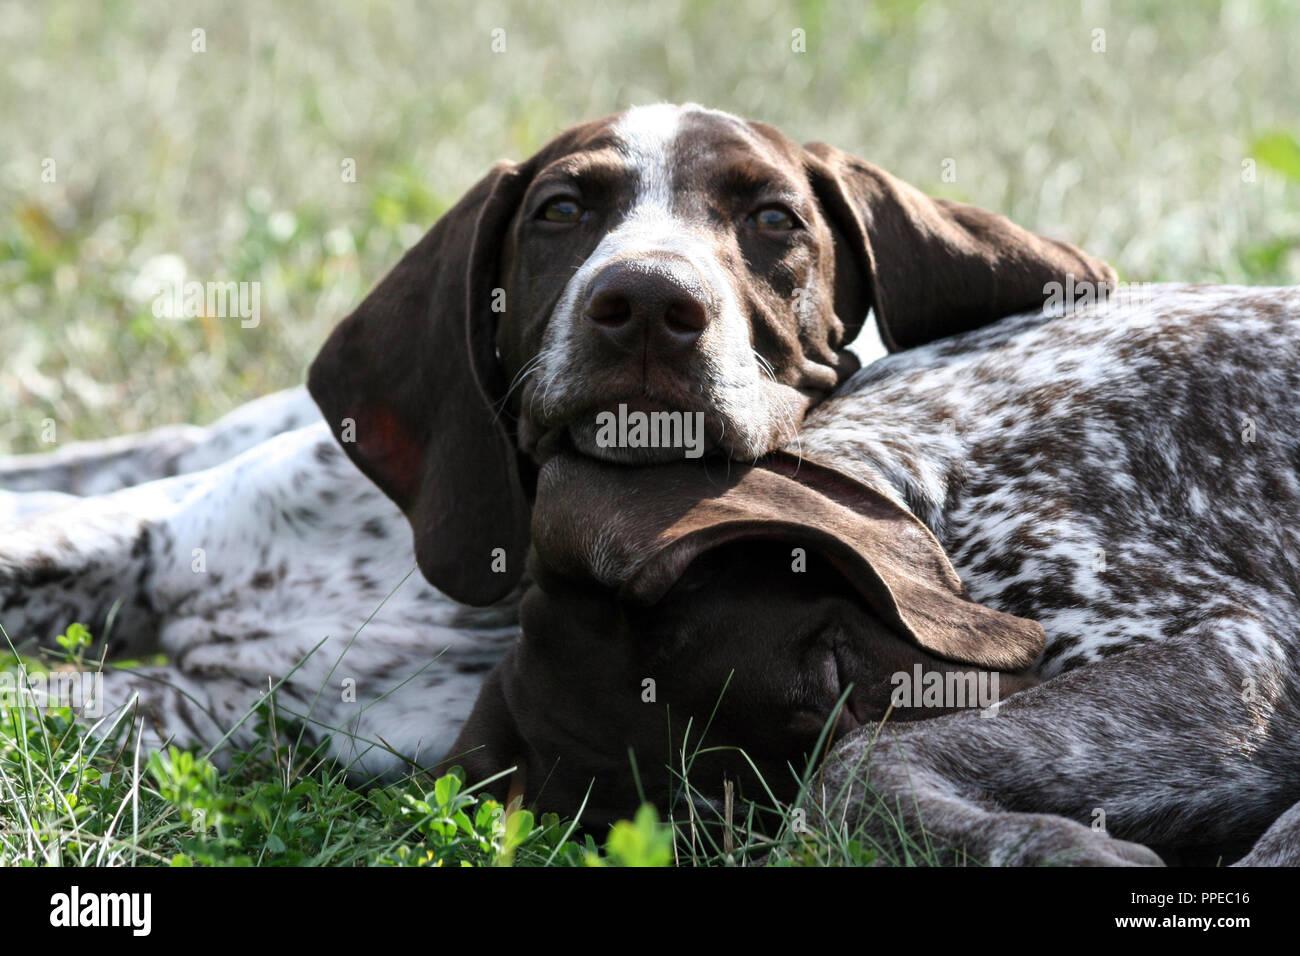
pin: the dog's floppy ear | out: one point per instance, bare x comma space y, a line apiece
638, 529
932, 267
407, 383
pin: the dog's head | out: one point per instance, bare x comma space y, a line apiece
664, 260
707, 621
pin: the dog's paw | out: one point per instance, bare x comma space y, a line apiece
900, 797
1033, 839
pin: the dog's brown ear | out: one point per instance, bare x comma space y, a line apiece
407, 383
932, 267
638, 529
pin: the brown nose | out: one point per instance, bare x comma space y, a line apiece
658, 302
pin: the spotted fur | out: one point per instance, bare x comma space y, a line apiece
1127, 476
283, 564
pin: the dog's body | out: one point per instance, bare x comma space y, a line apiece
1131, 483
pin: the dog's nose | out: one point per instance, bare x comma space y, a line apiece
657, 301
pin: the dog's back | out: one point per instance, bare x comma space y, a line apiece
1117, 474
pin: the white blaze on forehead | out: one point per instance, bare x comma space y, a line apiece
647, 136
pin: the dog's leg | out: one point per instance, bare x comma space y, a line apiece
100, 467
379, 726
1129, 744
89, 560
125, 563
157, 706
1280, 844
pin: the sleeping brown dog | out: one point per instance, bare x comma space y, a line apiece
734, 611
666, 259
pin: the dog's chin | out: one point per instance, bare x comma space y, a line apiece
583, 439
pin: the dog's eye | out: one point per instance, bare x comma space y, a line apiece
773, 217
563, 209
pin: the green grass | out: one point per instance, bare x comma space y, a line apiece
1173, 154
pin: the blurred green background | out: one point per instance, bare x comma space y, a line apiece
1172, 152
